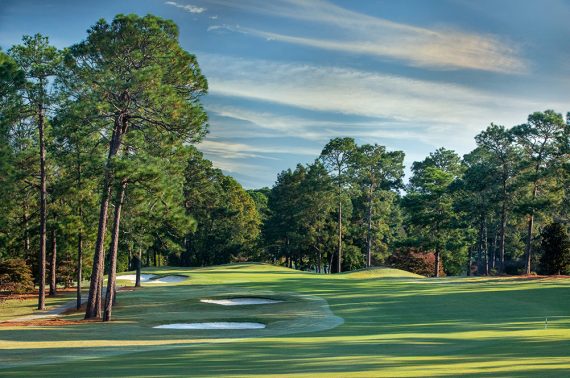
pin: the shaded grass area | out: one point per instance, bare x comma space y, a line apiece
12, 308
392, 327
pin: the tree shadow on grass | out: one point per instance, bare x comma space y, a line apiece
390, 327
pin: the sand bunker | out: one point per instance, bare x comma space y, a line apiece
213, 325
133, 277
150, 278
240, 301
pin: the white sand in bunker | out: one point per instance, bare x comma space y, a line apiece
213, 325
240, 301
151, 278
133, 277
168, 279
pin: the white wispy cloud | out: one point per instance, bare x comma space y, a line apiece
434, 113
232, 150
280, 125
349, 91
187, 7
358, 33
224, 27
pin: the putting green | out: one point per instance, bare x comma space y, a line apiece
392, 327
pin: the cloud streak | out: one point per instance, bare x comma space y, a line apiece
453, 108
188, 8
358, 33
232, 150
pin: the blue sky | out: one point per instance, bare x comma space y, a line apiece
285, 76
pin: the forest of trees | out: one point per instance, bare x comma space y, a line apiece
99, 174
502, 208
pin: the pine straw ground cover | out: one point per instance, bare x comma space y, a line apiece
15, 305
355, 324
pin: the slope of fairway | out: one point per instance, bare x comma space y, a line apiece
325, 326
381, 272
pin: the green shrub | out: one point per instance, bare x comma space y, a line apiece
556, 250
15, 276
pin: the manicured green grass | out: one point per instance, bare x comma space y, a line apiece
380, 272
13, 308
372, 326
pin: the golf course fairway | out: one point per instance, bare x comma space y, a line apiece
373, 323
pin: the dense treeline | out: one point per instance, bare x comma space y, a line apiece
499, 209
99, 175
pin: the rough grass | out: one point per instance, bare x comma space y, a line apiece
468, 327
26, 305
381, 272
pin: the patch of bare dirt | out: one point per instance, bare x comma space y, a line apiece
73, 310
32, 295
56, 322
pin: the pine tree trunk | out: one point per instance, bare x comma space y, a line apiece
97, 300
93, 309
79, 237
503, 235
79, 266
494, 251
139, 263
529, 232
99, 309
94, 299
369, 241
339, 262
43, 211
480, 247
130, 264
112, 279
529, 243
25, 219
469, 257
485, 246
53, 265
437, 262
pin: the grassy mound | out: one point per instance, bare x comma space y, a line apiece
381, 272
392, 327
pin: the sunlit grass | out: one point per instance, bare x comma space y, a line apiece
13, 308
392, 327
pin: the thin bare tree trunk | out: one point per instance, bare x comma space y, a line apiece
480, 262
43, 210
139, 263
437, 262
529, 231
485, 246
79, 266
339, 262
369, 241
469, 257
529, 243
79, 237
25, 219
97, 299
111, 281
93, 309
503, 232
494, 254
53, 264
99, 308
